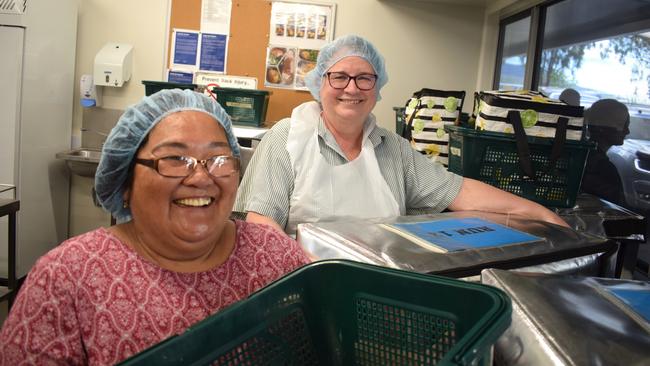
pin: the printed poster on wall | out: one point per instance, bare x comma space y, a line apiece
213, 52
183, 77
297, 33
193, 51
185, 46
215, 16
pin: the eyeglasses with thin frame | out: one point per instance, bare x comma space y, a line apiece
183, 166
339, 80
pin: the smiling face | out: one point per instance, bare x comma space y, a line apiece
182, 217
348, 105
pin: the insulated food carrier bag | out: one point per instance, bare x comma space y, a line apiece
427, 112
539, 114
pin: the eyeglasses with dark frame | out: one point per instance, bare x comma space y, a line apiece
339, 80
183, 166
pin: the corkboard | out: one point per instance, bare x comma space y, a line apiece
246, 56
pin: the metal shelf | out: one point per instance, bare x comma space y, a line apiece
9, 207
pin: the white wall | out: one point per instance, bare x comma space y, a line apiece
425, 44
141, 23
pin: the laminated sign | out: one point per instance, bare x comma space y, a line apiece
539, 114
427, 112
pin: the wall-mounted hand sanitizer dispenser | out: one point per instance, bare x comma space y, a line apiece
91, 96
113, 64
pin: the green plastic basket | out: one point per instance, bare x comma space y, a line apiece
245, 107
400, 121
340, 312
151, 87
491, 157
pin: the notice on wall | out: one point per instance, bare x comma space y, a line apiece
193, 51
185, 47
225, 81
213, 52
297, 32
215, 16
174, 76
301, 25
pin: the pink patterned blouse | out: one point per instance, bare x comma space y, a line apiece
93, 300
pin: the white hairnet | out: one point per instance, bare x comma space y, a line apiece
132, 128
340, 48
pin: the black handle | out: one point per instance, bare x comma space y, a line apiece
406, 133
523, 149
522, 144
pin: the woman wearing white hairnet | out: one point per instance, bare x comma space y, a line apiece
330, 160
169, 172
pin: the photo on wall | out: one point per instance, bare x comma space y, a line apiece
287, 67
297, 32
280, 67
306, 63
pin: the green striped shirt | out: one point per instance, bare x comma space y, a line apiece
418, 185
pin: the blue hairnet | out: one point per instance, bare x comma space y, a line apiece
132, 128
340, 48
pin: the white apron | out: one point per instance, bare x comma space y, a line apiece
323, 192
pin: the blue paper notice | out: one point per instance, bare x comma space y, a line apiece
186, 45
458, 234
180, 77
213, 52
638, 300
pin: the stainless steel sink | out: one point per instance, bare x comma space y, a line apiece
81, 161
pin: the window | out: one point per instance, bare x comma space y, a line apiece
511, 68
599, 51
601, 48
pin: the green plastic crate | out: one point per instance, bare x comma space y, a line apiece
400, 120
491, 157
244, 106
339, 312
151, 87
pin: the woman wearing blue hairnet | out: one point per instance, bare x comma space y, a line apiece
330, 160
169, 173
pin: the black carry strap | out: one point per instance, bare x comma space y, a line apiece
558, 142
522, 143
406, 133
